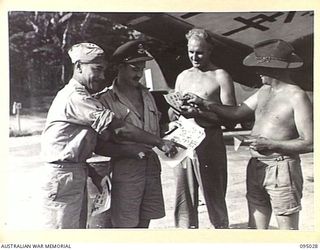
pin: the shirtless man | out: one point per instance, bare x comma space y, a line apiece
283, 129
209, 170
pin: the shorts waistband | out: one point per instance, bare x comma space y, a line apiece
63, 164
275, 158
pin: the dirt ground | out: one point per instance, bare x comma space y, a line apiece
236, 200
22, 175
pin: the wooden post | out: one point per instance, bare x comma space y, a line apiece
16, 111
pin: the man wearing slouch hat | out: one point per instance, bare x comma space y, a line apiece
283, 129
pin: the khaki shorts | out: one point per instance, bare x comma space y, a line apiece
136, 192
275, 183
64, 196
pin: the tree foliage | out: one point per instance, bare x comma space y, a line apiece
38, 43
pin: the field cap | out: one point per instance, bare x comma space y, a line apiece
274, 53
131, 52
86, 53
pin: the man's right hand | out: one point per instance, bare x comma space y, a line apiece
168, 147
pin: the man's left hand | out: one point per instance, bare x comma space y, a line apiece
96, 180
189, 111
193, 98
261, 144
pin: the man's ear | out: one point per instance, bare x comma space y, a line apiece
77, 67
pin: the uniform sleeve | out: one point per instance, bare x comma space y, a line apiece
88, 111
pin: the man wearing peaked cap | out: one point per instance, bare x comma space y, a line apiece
75, 120
283, 129
136, 195
131, 52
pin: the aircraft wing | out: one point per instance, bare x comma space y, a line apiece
234, 34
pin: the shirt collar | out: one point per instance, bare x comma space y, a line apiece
76, 83
106, 89
118, 93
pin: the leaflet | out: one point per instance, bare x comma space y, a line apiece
102, 202
243, 140
187, 133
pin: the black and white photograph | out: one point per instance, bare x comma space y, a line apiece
161, 121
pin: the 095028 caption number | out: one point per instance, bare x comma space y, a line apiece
308, 246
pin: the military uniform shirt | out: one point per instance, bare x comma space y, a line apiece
74, 120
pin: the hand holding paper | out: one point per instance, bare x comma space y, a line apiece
244, 140
188, 134
102, 201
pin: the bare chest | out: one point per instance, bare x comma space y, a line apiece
202, 85
274, 116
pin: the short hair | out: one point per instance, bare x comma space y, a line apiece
200, 34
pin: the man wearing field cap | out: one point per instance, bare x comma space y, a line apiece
283, 129
74, 122
136, 195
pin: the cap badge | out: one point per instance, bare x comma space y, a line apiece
141, 50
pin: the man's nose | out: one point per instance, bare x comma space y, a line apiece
196, 57
102, 77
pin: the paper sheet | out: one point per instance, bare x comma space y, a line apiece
244, 140
102, 202
189, 134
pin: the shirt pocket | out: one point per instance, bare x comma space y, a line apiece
153, 122
121, 111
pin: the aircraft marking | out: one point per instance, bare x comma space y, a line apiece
255, 22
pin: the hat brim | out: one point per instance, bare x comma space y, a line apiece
294, 61
139, 59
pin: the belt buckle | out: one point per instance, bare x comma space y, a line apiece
280, 158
